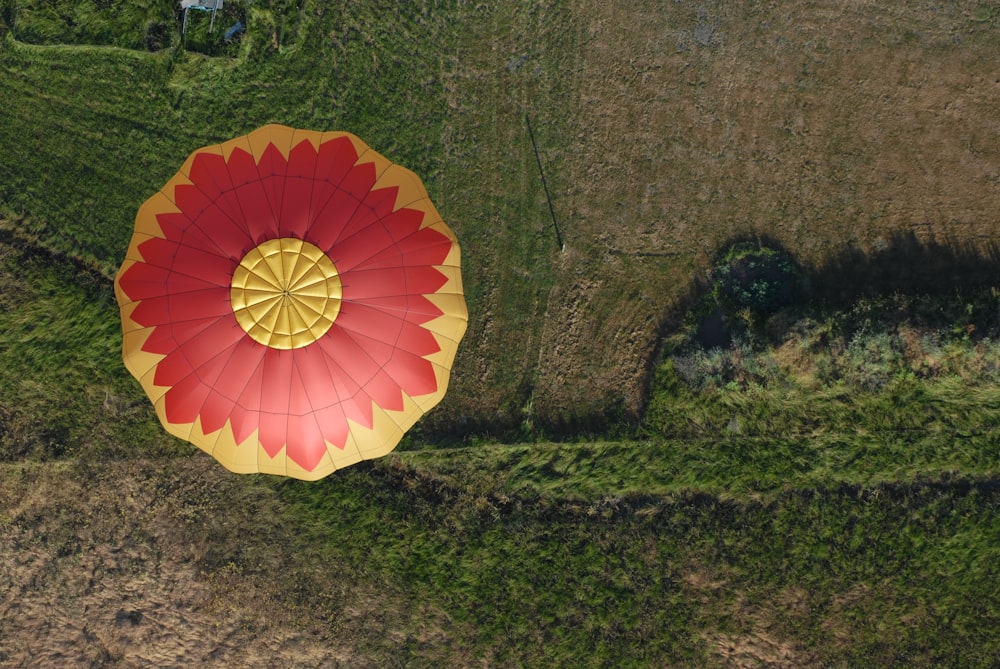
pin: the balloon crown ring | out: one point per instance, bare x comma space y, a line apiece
286, 293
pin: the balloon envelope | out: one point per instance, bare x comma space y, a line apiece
291, 302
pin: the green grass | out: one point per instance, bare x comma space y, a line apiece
87, 22
730, 467
63, 390
890, 575
116, 124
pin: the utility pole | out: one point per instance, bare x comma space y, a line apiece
545, 186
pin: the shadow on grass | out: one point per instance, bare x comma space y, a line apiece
905, 264
901, 265
926, 282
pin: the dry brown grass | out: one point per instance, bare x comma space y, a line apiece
755, 650
175, 563
820, 124
759, 641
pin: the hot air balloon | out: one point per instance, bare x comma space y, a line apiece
291, 302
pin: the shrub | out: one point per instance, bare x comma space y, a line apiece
756, 278
8, 15
159, 35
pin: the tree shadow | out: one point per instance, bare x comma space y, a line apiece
936, 278
904, 264
927, 283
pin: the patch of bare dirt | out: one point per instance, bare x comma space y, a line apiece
759, 642
755, 650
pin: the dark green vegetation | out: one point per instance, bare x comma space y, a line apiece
755, 278
63, 392
748, 475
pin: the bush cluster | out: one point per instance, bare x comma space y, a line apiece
755, 277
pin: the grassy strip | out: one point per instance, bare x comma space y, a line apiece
907, 409
729, 467
63, 389
886, 576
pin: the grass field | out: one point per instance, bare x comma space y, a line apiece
626, 471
